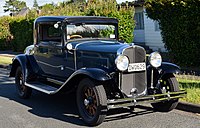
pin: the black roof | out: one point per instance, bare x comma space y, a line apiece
77, 19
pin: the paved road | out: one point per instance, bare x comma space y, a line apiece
43, 111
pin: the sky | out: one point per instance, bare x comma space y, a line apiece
29, 3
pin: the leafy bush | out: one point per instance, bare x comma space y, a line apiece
22, 32
110, 8
180, 24
5, 35
16, 32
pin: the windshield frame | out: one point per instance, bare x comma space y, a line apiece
92, 23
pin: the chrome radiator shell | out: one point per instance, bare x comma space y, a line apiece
136, 81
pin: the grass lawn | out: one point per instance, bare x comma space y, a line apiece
5, 60
192, 86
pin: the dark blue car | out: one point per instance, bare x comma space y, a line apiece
84, 54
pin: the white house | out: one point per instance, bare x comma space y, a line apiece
147, 31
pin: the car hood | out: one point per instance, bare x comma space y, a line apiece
111, 46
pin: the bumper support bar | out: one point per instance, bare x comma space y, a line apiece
126, 102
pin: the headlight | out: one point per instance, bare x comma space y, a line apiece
155, 59
122, 62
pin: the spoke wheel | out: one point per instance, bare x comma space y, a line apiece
92, 102
170, 83
22, 90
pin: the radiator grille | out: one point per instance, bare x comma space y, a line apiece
136, 80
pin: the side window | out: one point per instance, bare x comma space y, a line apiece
139, 19
47, 32
53, 32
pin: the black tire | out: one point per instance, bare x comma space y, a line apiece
171, 84
92, 102
22, 90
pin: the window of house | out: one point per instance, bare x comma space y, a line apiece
139, 20
157, 27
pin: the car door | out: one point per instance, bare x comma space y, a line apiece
51, 55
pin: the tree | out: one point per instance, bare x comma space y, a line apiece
35, 4
14, 6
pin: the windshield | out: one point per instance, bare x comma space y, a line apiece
90, 31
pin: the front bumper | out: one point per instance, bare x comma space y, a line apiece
126, 102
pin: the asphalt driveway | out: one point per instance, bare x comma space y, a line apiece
60, 111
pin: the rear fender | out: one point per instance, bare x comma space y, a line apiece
19, 60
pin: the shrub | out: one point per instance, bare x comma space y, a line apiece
5, 35
22, 32
17, 32
180, 25
110, 8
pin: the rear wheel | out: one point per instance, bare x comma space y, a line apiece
170, 83
92, 102
22, 90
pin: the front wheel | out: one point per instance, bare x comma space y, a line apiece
170, 83
22, 90
91, 101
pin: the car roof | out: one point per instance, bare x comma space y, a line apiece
77, 19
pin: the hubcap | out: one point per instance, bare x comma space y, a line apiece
86, 102
21, 85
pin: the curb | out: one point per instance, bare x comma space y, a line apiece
188, 107
5, 66
7, 55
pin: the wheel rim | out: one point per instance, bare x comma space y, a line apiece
89, 101
21, 85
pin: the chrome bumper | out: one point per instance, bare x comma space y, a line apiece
126, 102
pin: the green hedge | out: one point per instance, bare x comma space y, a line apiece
5, 36
22, 32
17, 32
180, 28
125, 15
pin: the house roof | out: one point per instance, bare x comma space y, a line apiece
23, 12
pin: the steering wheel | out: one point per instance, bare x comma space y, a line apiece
75, 36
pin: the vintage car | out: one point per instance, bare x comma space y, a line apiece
84, 55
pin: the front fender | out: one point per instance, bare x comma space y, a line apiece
168, 68
74, 79
94, 73
19, 60
165, 68
158, 73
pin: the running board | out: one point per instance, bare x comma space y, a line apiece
55, 81
49, 89
42, 87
